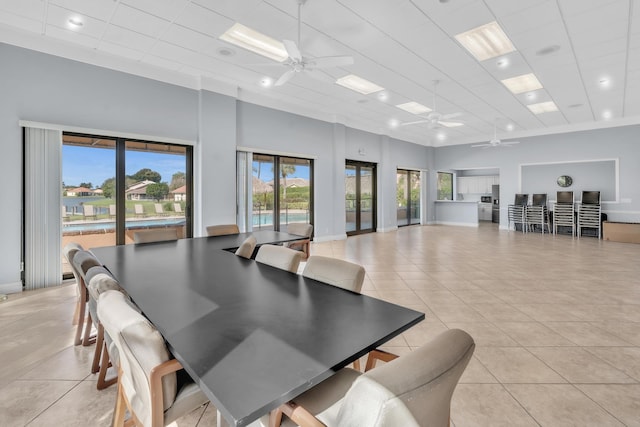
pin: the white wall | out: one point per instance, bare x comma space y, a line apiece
48, 89
613, 143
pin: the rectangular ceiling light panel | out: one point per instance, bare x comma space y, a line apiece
358, 84
486, 41
543, 107
414, 107
255, 41
524, 83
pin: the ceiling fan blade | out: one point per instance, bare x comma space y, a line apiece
285, 77
481, 145
414, 123
451, 116
451, 124
329, 62
292, 50
510, 142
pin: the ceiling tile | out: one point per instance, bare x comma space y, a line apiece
131, 39
59, 17
141, 22
165, 9
97, 9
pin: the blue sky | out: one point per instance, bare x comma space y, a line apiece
266, 171
95, 165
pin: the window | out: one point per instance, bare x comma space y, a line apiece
445, 186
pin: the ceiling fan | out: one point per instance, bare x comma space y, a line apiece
298, 63
436, 119
495, 142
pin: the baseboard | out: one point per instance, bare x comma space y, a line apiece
459, 224
10, 288
329, 238
386, 230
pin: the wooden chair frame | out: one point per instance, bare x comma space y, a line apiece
302, 416
155, 387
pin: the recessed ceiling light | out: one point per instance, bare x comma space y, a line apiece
383, 96
548, 50
543, 107
604, 82
414, 107
441, 136
255, 41
266, 82
75, 22
510, 127
451, 124
575, 105
532, 95
607, 114
358, 84
524, 83
394, 123
486, 41
503, 62
362, 101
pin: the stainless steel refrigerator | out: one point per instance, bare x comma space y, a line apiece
495, 203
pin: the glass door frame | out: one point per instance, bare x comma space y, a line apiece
408, 173
374, 197
120, 173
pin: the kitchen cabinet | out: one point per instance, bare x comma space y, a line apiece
476, 184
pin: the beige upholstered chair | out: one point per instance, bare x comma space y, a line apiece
300, 229
336, 272
279, 257
247, 247
222, 229
413, 390
82, 262
69, 252
147, 383
155, 235
100, 280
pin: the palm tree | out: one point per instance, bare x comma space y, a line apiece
286, 170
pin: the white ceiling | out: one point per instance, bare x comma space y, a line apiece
401, 45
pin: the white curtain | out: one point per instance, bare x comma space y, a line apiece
244, 191
43, 213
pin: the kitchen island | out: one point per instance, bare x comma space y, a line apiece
457, 212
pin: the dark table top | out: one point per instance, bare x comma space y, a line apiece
251, 335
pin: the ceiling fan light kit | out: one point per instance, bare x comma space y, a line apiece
495, 142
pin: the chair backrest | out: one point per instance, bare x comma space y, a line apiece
112, 210
141, 348
69, 251
540, 199
177, 208
222, 229
564, 197
279, 257
247, 247
83, 261
300, 229
412, 390
155, 235
99, 280
521, 199
159, 208
139, 209
336, 272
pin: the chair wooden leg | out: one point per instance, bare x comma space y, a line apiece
76, 313
81, 321
88, 339
356, 364
275, 418
95, 366
105, 364
120, 408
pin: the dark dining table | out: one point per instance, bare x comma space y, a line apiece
252, 336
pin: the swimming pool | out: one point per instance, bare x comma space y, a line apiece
111, 225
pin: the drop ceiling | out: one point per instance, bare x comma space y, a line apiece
585, 53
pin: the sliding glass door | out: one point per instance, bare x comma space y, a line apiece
114, 186
360, 197
292, 203
408, 197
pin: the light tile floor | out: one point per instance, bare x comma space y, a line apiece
556, 321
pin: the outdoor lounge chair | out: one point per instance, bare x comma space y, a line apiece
159, 209
139, 210
88, 211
